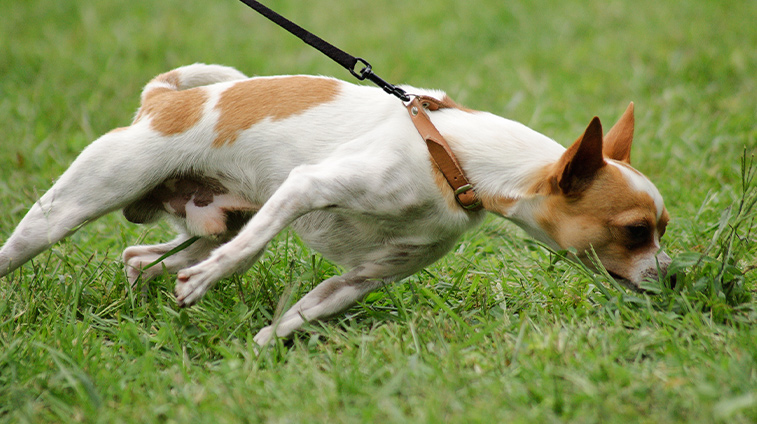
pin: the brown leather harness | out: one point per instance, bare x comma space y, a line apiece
440, 151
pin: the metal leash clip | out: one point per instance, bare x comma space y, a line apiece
367, 73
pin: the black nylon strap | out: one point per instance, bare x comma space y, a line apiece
337, 55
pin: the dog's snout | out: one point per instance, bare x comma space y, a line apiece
663, 261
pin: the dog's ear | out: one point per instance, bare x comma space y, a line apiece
617, 143
578, 165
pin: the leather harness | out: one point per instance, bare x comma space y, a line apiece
440, 151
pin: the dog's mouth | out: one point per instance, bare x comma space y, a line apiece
625, 282
616, 276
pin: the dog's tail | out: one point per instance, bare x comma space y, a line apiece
191, 76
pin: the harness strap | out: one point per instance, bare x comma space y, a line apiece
441, 152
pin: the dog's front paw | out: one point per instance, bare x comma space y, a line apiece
264, 336
192, 283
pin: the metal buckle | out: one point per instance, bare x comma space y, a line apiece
472, 206
465, 189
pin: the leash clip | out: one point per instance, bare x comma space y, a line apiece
367, 73
367, 69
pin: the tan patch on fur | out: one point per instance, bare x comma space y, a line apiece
171, 111
453, 104
444, 188
498, 204
545, 181
171, 77
248, 102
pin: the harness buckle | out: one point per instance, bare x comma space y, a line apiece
464, 189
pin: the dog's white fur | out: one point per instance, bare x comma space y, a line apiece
346, 168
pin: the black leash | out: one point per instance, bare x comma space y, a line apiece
440, 151
339, 56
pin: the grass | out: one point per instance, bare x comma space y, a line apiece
500, 330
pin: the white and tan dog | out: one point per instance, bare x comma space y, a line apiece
236, 160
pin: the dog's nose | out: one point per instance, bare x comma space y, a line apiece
663, 261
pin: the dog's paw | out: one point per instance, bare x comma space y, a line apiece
192, 283
264, 336
134, 271
136, 258
132, 274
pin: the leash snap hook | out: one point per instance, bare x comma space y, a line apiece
367, 73
364, 72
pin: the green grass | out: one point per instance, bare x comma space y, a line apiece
500, 330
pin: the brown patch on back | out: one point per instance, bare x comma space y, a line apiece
248, 102
173, 78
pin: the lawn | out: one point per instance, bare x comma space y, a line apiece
501, 329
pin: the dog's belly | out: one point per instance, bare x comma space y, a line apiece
397, 246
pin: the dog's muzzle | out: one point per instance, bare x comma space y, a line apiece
653, 274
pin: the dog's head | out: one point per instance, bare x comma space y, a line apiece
594, 201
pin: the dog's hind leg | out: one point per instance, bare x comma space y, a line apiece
106, 176
307, 188
329, 298
138, 257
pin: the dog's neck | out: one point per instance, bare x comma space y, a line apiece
505, 161
502, 158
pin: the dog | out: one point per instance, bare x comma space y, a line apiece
234, 160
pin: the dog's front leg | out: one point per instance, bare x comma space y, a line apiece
306, 189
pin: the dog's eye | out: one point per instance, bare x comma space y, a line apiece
637, 234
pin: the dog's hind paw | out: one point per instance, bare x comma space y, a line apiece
132, 274
134, 270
